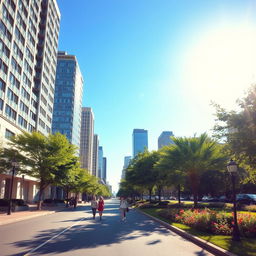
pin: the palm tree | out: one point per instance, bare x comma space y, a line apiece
194, 156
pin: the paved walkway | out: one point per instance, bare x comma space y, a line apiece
75, 233
24, 215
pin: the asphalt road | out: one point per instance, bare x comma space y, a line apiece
76, 233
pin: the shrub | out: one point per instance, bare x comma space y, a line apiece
15, 202
247, 224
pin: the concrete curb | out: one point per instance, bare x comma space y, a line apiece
212, 248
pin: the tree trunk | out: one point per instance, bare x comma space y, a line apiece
179, 193
159, 194
194, 181
150, 194
41, 191
67, 198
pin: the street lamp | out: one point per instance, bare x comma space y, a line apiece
232, 169
14, 165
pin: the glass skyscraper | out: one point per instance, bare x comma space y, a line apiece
140, 141
68, 98
165, 139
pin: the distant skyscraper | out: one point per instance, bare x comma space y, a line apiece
100, 162
127, 160
95, 155
68, 98
164, 139
104, 171
140, 141
86, 139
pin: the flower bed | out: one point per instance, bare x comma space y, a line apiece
220, 223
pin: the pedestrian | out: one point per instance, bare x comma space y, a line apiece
101, 206
123, 208
94, 206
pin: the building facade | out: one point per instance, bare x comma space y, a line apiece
100, 162
29, 32
104, 170
139, 141
127, 160
68, 98
86, 139
95, 155
165, 139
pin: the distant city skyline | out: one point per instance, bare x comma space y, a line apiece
165, 139
158, 66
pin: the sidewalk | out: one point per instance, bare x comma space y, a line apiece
23, 215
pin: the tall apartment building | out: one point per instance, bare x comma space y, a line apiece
139, 141
104, 170
100, 162
165, 139
68, 98
29, 33
95, 155
86, 139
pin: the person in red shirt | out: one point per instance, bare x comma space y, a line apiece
101, 206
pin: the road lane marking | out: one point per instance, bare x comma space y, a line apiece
33, 250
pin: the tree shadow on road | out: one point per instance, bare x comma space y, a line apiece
91, 233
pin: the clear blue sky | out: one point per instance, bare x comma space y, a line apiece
157, 64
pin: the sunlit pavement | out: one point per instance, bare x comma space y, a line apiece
76, 233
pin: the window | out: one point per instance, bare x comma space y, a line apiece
26, 80
9, 134
32, 115
16, 66
5, 31
7, 16
25, 94
31, 128
3, 67
22, 122
27, 67
23, 107
31, 39
12, 96
15, 82
21, 21
19, 36
17, 51
11, 113
29, 55
1, 104
41, 123
42, 111
22, 8
4, 49
2, 85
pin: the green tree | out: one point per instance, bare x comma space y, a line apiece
41, 156
141, 171
194, 156
238, 130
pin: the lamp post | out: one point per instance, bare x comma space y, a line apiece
232, 169
14, 164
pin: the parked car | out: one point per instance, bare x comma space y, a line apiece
246, 198
224, 199
210, 199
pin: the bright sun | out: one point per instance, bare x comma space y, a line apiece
222, 64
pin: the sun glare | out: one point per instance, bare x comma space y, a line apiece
222, 64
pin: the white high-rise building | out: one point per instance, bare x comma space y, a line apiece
29, 32
86, 139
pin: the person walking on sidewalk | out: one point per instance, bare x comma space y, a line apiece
123, 208
94, 206
101, 206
